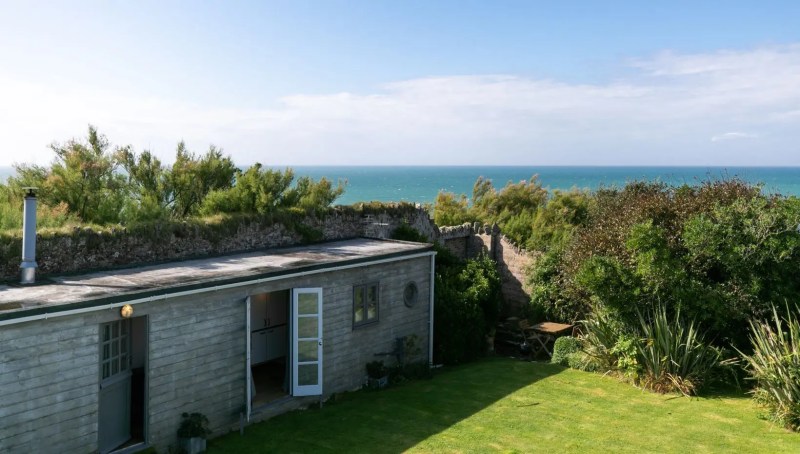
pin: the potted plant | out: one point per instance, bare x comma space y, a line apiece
192, 432
378, 375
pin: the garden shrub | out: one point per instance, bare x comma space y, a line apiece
721, 251
600, 339
581, 361
468, 302
717, 253
625, 353
458, 326
660, 353
672, 354
482, 285
775, 366
405, 232
552, 296
562, 348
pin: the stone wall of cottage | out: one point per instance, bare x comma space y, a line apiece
195, 360
84, 249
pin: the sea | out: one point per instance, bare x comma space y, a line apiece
421, 184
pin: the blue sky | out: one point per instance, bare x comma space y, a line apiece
433, 82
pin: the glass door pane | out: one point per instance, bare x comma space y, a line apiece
307, 342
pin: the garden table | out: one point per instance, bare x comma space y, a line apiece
547, 332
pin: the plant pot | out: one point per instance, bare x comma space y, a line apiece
378, 383
194, 445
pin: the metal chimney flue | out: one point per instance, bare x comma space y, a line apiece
28, 266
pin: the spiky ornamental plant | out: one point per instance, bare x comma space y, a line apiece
775, 366
673, 354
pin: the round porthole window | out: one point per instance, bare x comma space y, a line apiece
410, 294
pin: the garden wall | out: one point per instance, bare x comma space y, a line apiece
469, 241
83, 249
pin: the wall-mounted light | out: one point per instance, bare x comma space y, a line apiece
126, 311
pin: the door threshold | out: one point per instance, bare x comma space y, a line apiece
139, 446
271, 403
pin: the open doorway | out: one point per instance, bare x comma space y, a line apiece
123, 356
138, 378
269, 346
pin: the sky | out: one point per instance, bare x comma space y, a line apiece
407, 82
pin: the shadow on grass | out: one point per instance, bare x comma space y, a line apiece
391, 420
721, 390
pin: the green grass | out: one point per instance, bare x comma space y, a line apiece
505, 405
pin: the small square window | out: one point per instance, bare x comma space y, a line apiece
366, 302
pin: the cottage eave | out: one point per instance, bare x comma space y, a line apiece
87, 292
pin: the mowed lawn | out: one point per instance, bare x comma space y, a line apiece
506, 405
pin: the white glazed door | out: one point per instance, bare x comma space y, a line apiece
307, 341
115, 385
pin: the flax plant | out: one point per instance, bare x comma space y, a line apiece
775, 366
673, 355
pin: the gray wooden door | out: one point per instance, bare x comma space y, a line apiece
115, 385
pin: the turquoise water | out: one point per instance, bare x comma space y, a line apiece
421, 184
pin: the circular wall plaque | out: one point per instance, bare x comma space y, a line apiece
410, 294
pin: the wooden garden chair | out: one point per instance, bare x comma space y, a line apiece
542, 336
538, 342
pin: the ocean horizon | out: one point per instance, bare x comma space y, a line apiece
421, 184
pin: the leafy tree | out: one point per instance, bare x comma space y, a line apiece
11, 202
450, 209
513, 200
720, 252
90, 182
483, 199
314, 196
746, 255
557, 220
148, 185
513, 208
82, 176
264, 191
193, 177
27, 175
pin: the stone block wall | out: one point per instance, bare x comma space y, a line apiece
48, 386
85, 249
512, 263
469, 241
196, 357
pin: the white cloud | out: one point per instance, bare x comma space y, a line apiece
663, 113
733, 136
